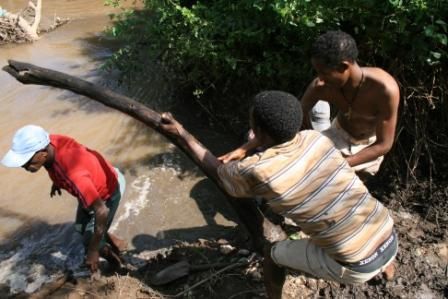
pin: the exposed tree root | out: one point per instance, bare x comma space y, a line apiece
23, 26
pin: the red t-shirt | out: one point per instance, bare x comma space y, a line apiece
84, 173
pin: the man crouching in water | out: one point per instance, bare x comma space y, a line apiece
302, 176
83, 173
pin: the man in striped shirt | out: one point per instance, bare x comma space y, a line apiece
302, 176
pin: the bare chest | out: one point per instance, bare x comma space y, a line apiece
363, 106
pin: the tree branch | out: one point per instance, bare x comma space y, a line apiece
37, 16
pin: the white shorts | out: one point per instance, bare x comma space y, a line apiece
349, 146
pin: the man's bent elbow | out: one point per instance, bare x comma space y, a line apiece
380, 150
385, 148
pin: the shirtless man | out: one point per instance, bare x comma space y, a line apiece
367, 99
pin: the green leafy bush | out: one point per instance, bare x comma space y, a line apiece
221, 52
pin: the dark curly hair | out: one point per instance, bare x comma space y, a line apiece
333, 47
277, 113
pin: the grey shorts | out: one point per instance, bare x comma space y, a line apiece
303, 255
85, 219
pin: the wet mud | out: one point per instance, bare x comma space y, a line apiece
421, 270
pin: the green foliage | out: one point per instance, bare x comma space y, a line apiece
113, 3
255, 44
221, 52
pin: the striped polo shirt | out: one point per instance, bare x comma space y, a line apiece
308, 180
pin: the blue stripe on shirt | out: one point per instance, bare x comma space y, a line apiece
306, 176
318, 190
349, 214
334, 202
288, 167
353, 234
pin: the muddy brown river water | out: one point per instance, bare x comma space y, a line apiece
167, 199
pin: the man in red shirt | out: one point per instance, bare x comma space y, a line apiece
83, 173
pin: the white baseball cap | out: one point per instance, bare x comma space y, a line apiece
25, 143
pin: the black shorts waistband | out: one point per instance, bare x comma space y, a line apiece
377, 259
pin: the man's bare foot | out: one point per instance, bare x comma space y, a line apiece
118, 245
389, 272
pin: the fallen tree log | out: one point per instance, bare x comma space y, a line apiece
259, 227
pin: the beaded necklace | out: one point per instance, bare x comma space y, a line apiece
348, 114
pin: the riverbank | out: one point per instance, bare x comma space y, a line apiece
421, 271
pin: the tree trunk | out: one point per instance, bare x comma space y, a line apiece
260, 228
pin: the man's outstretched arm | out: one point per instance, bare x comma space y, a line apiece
209, 161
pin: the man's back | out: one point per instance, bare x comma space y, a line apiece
84, 173
308, 180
